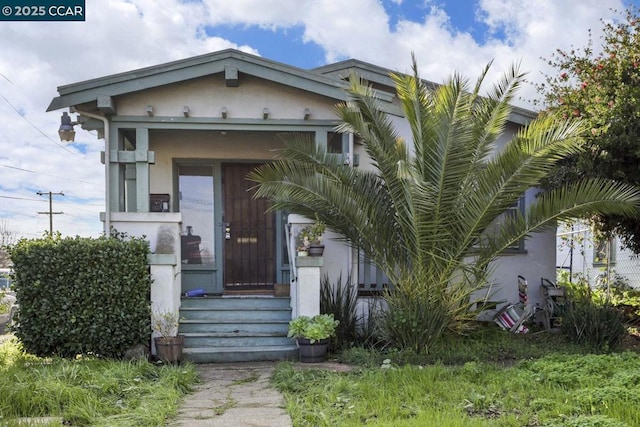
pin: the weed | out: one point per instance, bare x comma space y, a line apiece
547, 382
250, 379
221, 409
89, 391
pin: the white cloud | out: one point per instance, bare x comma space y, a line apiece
121, 35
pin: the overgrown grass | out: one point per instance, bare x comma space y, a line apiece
89, 391
492, 378
486, 344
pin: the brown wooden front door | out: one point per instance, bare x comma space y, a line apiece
249, 233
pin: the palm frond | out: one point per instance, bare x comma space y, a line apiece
431, 214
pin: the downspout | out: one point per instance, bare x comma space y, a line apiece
107, 205
350, 258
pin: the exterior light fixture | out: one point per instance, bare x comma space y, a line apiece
66, 132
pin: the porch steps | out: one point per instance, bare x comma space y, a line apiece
236, 329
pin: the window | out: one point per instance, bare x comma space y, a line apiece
499, 223
371, 280
195, 184
334, 143
512, 212
604, 252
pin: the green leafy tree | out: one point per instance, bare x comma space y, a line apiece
426, 213
603, 89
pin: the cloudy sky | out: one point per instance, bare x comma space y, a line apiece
121, 35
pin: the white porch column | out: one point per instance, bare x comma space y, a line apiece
305, 271
162, 230
308, 286
165, 289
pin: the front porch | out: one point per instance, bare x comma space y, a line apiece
233, 327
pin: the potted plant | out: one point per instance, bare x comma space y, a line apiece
310, 238
169, 344
302, 248
312, 335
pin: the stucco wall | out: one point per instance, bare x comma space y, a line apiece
207, 95
211, 145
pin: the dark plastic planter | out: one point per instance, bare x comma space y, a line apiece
316, 250
313, 353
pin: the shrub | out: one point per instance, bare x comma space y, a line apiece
414, 320
621, 295
341, 300
82, 295
593, 323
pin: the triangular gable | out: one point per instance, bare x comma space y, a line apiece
231, 62
374, 74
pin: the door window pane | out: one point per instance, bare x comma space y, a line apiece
195, 185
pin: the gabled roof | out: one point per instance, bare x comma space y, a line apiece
343, 69
198, 66
328, 80
375, 74
380, 78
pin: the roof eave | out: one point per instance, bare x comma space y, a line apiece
200, 66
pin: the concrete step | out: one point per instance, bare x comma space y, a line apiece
216, 340
236, 302
233, 327
236, 329
256, 314
240, 354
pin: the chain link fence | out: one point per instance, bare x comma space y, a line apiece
602, 262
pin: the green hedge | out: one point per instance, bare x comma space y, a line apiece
82, 295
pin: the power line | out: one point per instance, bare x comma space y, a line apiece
6, 78
47, 174
11, 212
34, 126
13, 107
20, 198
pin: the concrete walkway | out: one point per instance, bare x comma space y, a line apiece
239, 395
234, 394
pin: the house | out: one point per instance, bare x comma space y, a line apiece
180, 138
599, 260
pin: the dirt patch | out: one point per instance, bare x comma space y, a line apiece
327, 366
632, 341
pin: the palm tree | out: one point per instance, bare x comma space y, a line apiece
427, 212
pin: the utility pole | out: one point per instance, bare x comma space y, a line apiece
51, 213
